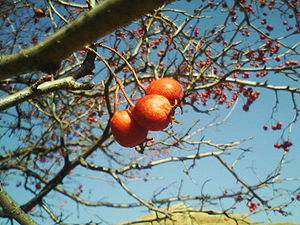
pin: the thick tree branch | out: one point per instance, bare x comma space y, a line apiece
39, 88
44, 88
263, 85
13, 210
100, 21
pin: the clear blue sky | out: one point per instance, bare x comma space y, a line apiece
254, 165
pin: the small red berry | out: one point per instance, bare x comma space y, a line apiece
264, 21
238, 198
279, 125
286, 148
38, 186
287, 144
39, 12
269, 27
277, 145
246, 108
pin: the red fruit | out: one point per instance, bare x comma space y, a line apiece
126, 131
264, 21
167, 87
39, 12
291, 63
246, 108
287, 144
277, 145
38, 186
153, 112
286, 148
279, 125
269, 27
239, 198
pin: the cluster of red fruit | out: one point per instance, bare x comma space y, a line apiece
79, 190
252, 205
251, 96
278, 126
153, 112
285, 146
297, 197
291, 63
239, 198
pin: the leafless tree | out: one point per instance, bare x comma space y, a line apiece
60, 65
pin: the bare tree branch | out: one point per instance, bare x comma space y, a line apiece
13, 210
101, 20
44, 88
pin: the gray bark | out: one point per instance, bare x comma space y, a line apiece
100, 21
13, 210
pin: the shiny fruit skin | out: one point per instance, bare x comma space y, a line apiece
167, 87
126, 131
153, 112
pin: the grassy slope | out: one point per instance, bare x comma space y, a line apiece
194, 218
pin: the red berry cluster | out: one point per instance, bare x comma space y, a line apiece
238, 198
79, 191
251, 96
252, 205
291, 63
278, 126
260, 56
218, 92
285, 145
92, 117
297, 197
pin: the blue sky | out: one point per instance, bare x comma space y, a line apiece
208, 173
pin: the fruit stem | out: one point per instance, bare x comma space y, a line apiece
121, 86
128, 64
116, 99
119, 82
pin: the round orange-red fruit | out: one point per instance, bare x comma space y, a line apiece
126, 131
153, 112
39, 12
167, 87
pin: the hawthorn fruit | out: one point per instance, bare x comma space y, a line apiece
39, 13
126, 131
153, 112
167, 87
